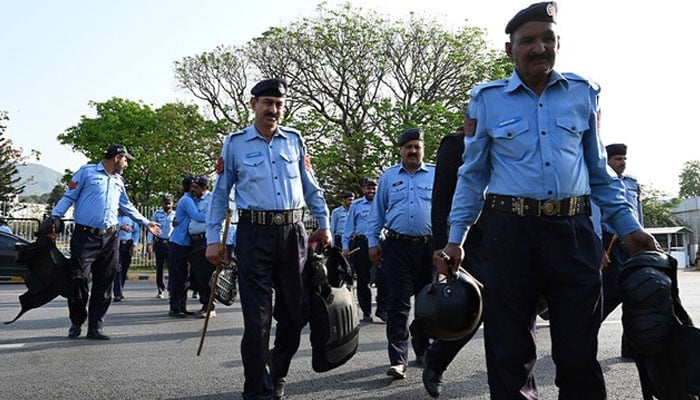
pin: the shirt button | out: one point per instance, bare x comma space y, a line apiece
544, 133
549, 192
546, 164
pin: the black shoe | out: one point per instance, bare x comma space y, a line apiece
432, 380
177, 314
74, 331
97, 334
367, 319
381, 315
279, 389
188, 313
118, 298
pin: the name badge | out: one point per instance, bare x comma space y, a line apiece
253, 154
509, 121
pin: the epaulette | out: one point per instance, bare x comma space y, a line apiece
287, 129
630, 177
575, 77
493, 84
237, 132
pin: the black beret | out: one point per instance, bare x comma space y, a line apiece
166, 199
274, 87
411, 134
541, 12
369, 181
117, 149
348, 195
616, 149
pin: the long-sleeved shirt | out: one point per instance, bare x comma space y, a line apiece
542, 147
185, 211
358, 222
97, 196
267, 176
135, 233
402, 202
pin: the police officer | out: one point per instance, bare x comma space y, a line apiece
402, 206
159, 244
129, 235
339, 216
97, 191
449, 157
272, 174
354, 245
537, 157
201, 273
612, 296
179, 248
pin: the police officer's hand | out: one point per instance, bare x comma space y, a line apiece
154, 228
451, 259
215, 255
376, 256
322, 236
640, 241
126, 228
149, 248
132, 251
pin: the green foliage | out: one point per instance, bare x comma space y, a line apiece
658, 210
357, 80
168, 143
689, 180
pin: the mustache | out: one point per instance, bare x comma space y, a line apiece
540, 57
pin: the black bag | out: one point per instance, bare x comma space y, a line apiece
203, 271
334, 319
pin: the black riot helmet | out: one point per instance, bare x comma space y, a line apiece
647, 283
449, 309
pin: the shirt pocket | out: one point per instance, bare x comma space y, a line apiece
512, 141
570, 131
290, 165
425, 193
253, 169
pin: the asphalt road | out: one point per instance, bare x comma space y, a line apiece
153, 356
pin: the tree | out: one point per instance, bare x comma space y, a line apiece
10, 186
168, 143
689, 180
357, 80
658, 210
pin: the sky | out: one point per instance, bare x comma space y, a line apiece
57, 56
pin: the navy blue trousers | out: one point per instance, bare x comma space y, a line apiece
271, 260
92, 256
407, 268
178, 276
558, 258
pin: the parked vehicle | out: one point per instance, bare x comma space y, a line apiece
8, 254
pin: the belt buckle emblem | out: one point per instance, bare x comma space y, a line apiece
278, 219
551, 207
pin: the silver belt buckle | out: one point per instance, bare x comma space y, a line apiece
278, 219
551, 207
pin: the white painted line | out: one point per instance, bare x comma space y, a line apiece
11, 346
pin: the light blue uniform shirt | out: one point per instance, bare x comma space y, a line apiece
358, 220
267, 177
97, 197
185, 211
339, 216
135, 233
633, 194
202, 205
544, 147
402, 202
165, 220
231, 237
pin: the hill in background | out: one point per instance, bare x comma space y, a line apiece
37, 179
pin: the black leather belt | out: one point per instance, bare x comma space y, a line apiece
96, 231
198, 236
159, 240
527, 207
391, 234
359, 237
284, 217
126, 242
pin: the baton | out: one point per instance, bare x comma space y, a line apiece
217, 271
607, 252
